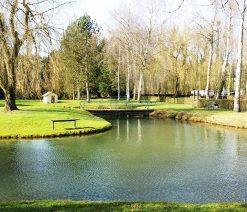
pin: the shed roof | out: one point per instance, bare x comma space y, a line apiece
48, 93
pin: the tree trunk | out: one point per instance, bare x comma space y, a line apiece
78, 94
223, 80
226, 60
209, 69
10, 88
245, 92
177, 84
88, 92
118, 74
134, 93
128, 79
140, 87
229, 84
73, 94
239, 63
10, 99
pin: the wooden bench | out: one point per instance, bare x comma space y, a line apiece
64, 120
212, 105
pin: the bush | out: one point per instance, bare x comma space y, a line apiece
223, 103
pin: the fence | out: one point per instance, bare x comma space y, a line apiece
201, 103
223, 103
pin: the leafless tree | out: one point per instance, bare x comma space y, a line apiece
242, 6
20, 21
227, 51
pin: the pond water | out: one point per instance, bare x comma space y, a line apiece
138, 160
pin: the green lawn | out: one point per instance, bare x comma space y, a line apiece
116, 206
122, 104
185, 111
188, 113
33, 120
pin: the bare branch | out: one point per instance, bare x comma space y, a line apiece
175, 10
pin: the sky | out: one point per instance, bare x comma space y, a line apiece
99, 10
102, 10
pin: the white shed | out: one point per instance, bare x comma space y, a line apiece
50, 97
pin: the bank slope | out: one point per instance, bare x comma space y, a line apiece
219, 117
116, 206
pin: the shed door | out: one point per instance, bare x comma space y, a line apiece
52, 99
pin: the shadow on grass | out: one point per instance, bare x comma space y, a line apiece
2, 102
43, 110
50, 110
80, 128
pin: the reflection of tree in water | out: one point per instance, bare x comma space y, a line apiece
139, 131
127, 130
158, 156
9, 169
118, 129
133, 130
241, 145
29, 163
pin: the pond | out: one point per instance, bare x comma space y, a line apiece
138, 160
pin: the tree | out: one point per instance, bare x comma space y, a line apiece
210, 36
242, 9
118, 74
20, 21
125, 32
78, 50
147, 47
227, 53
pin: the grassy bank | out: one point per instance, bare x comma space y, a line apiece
33, 120
115, 206
217, 116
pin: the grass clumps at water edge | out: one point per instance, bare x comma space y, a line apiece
116, 206
34, 120
217, 116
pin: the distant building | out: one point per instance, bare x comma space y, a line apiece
50, 97
202, 93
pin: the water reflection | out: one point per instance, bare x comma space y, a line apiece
118, 129
139, 159
139, 131
127, 130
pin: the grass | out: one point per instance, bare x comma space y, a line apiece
188, 113
114, 104
184, 112
116, 206
33, 120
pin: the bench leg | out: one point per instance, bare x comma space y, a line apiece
75, 124
53, 125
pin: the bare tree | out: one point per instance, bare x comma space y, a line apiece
242, 9
126, 23
146, 41
227, 53
118, 73
211, 40
145, 51
20, 20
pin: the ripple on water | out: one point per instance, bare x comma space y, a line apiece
139, 159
